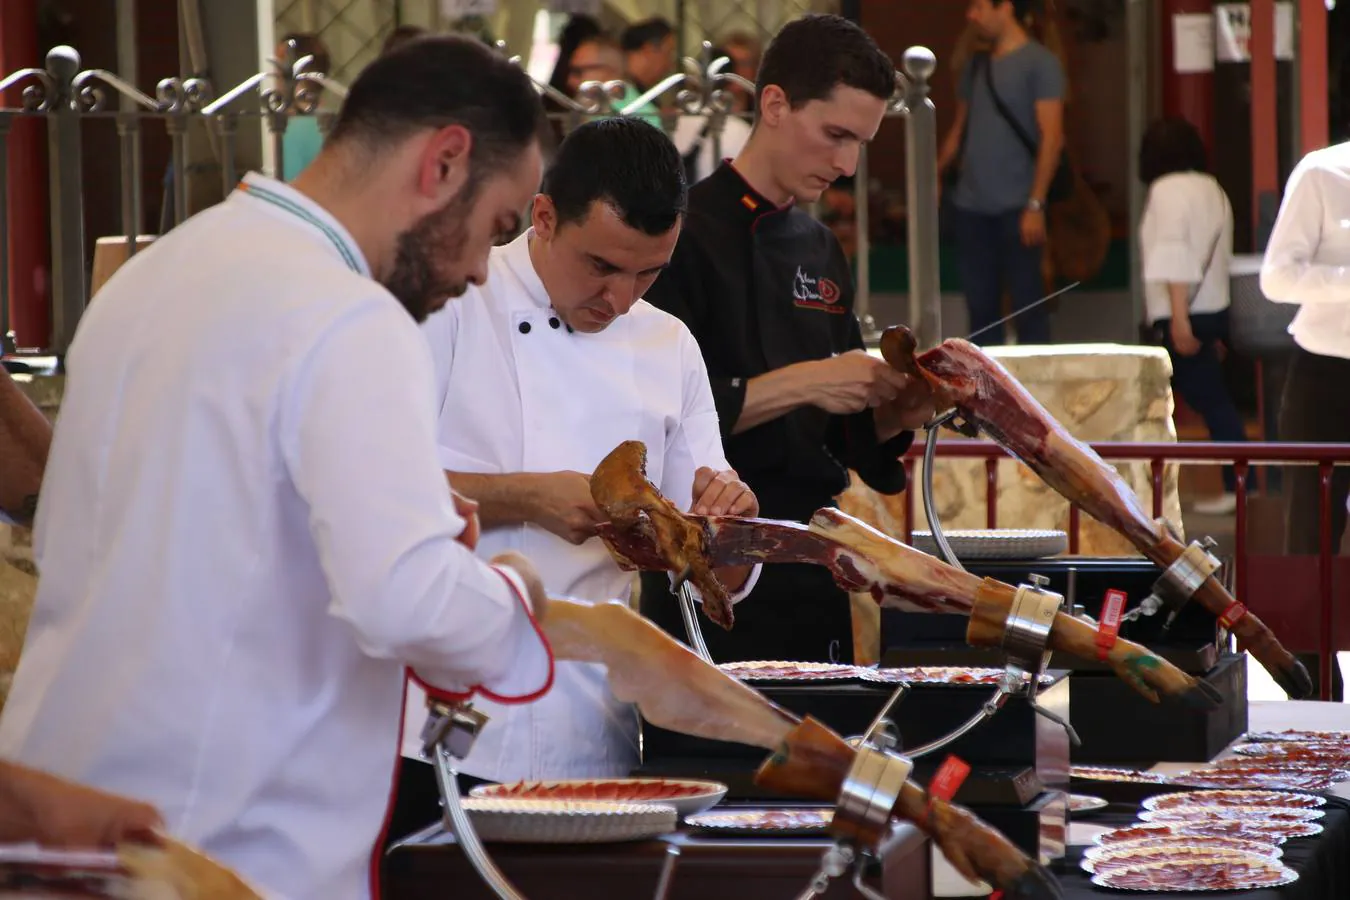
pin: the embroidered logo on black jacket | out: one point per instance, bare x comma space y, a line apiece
815, 293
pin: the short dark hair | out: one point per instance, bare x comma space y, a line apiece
815, 54
1021, 8
625, 163
443, 80
401, 35
310, 45
1171, 145
648, 31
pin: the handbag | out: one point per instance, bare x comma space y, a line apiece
1062, 185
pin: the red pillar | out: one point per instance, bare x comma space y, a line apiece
1312, 74
29, 272
1265, 123
1187, 95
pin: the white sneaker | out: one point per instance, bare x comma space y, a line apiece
1222, 505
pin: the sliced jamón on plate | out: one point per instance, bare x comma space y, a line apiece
1108, 773
1264, 813
786, 670
1119, 856
1293, 735
1282, 799
1169, 839
1198, 874
687, 797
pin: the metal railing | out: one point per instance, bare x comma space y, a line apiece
67, 97
1242, 457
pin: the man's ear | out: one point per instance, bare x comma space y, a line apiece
544, 217
445, 165
773, 106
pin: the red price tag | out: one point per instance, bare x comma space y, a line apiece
948, 779
1109, 625
1232, 615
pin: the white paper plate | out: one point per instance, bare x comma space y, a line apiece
685, 795
555, 822
1084, 803
781, 821
998, 543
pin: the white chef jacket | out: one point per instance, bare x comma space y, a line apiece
1186, 237
1308, 257
244, 535
518, 392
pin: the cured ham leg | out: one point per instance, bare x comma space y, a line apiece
677, 690
965, 378
620, 488
864, 560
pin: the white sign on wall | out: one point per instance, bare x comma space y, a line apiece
1193, 43
456, 9
1233, 31
575, 7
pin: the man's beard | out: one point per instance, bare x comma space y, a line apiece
416, 279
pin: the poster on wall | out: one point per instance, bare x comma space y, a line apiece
458, 9
1233, 31
575, 7
1192, 43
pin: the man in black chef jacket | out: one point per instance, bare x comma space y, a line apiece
768, 293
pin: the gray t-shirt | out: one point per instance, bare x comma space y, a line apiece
997, 170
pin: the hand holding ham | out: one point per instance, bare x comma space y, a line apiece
722, 494
52, 812
852, 382
468, 511
562, 504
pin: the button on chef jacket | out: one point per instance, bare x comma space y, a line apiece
244, 535
762, 287
518, 392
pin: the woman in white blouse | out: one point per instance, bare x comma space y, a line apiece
1308, 262
1186, 242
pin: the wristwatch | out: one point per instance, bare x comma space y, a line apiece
1035, 205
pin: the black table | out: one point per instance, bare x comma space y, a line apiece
1322, 862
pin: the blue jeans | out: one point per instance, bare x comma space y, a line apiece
1199, 381
992, 258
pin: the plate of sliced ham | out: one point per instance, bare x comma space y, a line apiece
687, 797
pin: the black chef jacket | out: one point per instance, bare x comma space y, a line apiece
762, 287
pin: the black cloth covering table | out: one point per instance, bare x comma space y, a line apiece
1322, 862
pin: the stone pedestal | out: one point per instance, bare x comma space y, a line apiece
1099, 392
18, 574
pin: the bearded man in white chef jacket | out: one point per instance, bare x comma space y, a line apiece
541, 373
244, 533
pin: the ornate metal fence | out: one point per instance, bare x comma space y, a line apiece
67, 98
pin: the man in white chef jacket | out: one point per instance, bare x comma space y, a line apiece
543, 371
244, 533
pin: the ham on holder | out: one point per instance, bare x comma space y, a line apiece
989, 399
646, 531
677, 690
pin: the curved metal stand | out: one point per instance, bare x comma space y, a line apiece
449, 734
689, 612
1027, 631
862, 816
